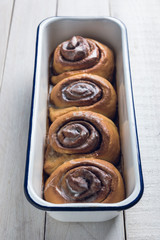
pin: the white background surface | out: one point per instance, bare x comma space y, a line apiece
18, 23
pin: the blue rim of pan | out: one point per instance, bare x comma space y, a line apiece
77, 208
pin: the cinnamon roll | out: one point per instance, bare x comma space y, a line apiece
81, 134
83, 92
85, 181
81, 55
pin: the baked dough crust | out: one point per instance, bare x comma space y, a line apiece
85, 180
72, 127
104, 104
104, 67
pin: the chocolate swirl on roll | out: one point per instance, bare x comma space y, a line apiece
79, 134
85, 180
85, 184
79, 51
81, 55
75, 49
83, 92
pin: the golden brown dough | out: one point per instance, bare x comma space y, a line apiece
81, 134
83, 92
85, 181
82, 55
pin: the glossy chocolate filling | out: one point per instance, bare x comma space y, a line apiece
75, 49
78, 51
86, 184
81, 136
81, 92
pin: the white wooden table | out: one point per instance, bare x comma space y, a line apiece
18, 23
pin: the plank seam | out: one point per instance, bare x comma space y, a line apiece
109, 8
56, 8
124, 223
9, 31
45, 221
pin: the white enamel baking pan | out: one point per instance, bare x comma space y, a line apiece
112, 32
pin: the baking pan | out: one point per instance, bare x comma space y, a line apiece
112, 32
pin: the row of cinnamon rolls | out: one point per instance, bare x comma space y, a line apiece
83, 142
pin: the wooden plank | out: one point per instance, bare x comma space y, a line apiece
83, 8
6, 7
143, 23
19, 219
113, 229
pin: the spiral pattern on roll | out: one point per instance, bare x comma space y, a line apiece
77, 52
81, 55
81, 134
81, 92
85, 180
77, 137
85, 184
